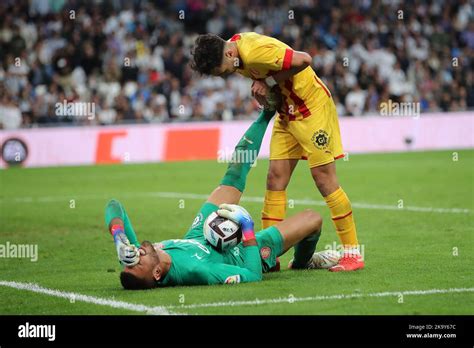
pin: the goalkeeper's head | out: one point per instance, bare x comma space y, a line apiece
211, 55
145, 274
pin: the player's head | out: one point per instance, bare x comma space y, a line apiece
214, 56
146, 273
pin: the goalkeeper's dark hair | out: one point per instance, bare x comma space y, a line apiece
132, 282
207, 53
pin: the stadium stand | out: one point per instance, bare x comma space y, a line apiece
130, 57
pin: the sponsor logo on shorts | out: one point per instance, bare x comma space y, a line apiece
265, 252
320, 139
232, 279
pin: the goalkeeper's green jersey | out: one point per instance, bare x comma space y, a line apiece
195, 262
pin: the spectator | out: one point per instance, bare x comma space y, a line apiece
355, 101
10, 114
131, 59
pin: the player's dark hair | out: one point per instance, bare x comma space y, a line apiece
131, 282
207, 53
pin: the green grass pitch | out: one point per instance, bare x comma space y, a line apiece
405, 249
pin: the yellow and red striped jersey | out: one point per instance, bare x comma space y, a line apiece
262, 56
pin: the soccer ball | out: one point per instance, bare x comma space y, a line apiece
325, 259
221, 233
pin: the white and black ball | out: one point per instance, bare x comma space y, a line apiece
221, 233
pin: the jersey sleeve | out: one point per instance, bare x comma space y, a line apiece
196, 229
230, 274
270, 56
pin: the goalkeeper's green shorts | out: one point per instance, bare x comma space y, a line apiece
270, 245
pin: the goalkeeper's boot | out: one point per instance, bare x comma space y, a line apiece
321, 260
275, 268
352, 260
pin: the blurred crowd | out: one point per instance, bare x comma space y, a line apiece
130, 57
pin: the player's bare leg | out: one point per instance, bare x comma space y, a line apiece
341, 213
299, 226
274, 206
303, 231
225, 194
279, 173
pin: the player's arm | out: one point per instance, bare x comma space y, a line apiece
127, 253
299, 61
227, 274
252, 269
284, 62
251, 255
233, 183
124, 236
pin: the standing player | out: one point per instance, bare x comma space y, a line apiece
307, 128
192, 260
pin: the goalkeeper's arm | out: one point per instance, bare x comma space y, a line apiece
242, 217
252, 267
121, 229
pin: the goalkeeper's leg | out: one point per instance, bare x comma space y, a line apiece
248, 147
115, 210
233, 183
301, 231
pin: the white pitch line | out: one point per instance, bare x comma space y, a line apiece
72, 297
166, 310
291, 300
186, 195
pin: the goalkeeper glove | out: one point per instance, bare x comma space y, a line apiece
128, 254
241, 217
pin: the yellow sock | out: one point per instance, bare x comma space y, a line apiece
274, 208
341, 214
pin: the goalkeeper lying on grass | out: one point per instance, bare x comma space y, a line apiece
193, 261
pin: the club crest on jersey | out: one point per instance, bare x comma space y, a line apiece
197, 221
265, 252
232, 279
320, 139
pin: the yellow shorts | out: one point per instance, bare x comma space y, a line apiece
316, 138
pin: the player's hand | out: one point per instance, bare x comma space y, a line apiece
262, 101
259, 89
235, 213
269, 99
259, 92
240, 216
128, 255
